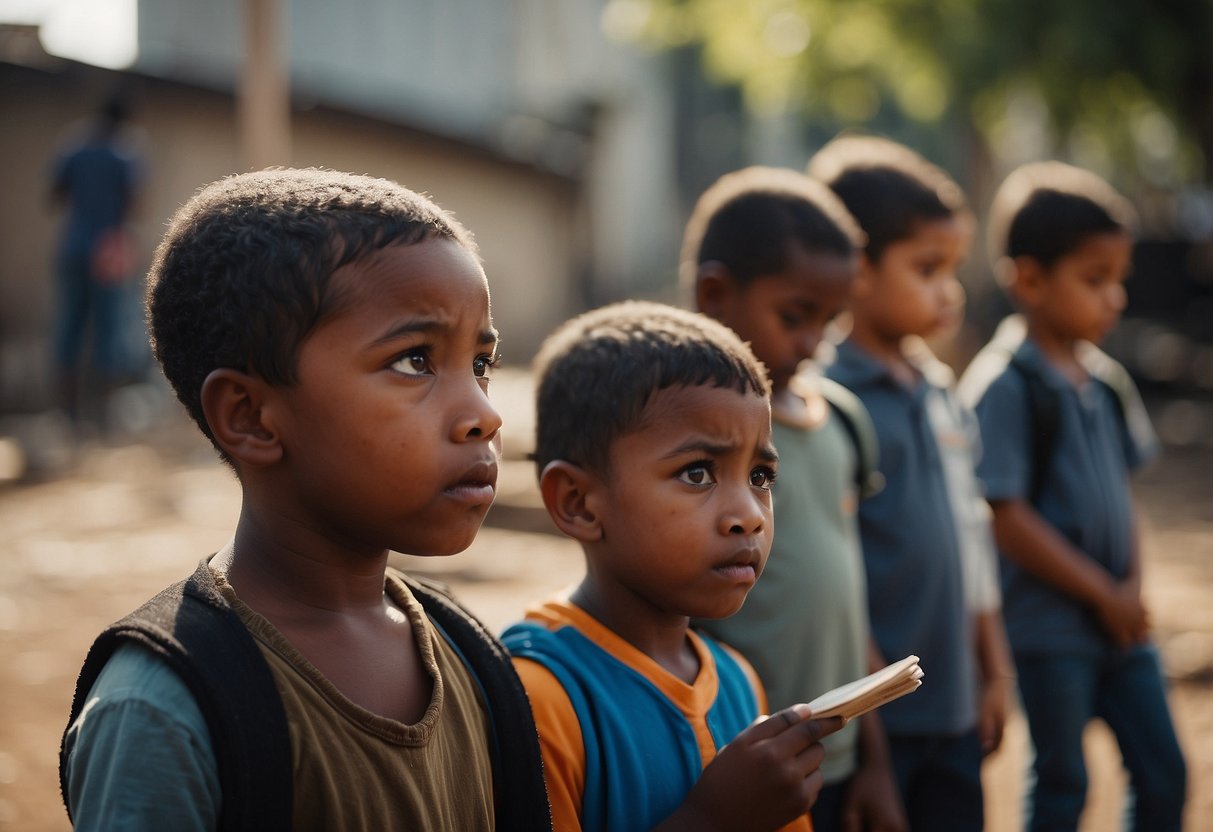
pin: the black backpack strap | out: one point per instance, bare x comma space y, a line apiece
858, 425
192, 629
1044, 408
518, 785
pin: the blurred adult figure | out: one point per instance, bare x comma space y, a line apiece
96, 179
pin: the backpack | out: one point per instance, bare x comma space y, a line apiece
857, 423
191, 627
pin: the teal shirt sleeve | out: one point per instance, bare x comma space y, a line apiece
139, 757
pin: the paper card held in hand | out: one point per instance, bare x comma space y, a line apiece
863, 695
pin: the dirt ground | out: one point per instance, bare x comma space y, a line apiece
122, 520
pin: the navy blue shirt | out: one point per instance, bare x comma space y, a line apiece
912, 554
99, 179
1084, 490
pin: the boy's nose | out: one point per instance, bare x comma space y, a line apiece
954, 291
1117, 297
745, 515
808, 342
477, 420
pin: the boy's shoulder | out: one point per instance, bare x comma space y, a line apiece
192, 629
1010, 367
853, 417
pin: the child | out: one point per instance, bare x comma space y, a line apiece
931, 589
654, 453
1063, 510
772, 254
330, 334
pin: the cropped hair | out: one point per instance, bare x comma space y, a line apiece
1045, 210
888, 188
750, 219
243, 274
597, 372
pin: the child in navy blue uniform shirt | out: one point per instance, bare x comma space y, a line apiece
926, 544
1063, 514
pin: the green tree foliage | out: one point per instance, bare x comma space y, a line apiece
1122, 83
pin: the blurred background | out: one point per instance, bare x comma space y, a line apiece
572, 137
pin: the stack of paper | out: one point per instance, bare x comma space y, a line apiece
863, 695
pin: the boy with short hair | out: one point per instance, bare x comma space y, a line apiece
654, 453
931, 589
772, 254
1064, 427
330, 334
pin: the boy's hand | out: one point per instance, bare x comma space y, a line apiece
872, 802
769, 775
1123, 615
992, 716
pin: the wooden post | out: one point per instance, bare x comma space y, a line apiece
265, 99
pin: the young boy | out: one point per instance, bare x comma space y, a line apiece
772, 254
330, 334
1063, 510
654, 453
931, 589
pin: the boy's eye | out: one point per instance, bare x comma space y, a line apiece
791, 320
762, 477
412, 363
482, 366
698, 473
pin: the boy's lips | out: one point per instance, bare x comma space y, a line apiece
744, 565
477, 485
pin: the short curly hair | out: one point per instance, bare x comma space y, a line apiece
598, 371
888, 188
750, 219
242, 275
1044, 210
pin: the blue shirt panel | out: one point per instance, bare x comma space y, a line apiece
1084, 495
641, 754
914, 574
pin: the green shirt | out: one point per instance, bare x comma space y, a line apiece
804, 625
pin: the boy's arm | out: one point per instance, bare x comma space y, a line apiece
1132, 580
997, 674
139, 756
872, 801
1031, 542
560, 741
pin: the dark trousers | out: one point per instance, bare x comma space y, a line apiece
939, 778
1125, 689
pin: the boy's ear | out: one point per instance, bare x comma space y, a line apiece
1024, 277
865, 278
232, 403
566, 489
715, 287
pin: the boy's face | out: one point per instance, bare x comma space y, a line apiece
784, 316
389, 437
1082, 295
912, 289
685, 507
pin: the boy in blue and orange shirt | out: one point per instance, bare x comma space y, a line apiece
654, 453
